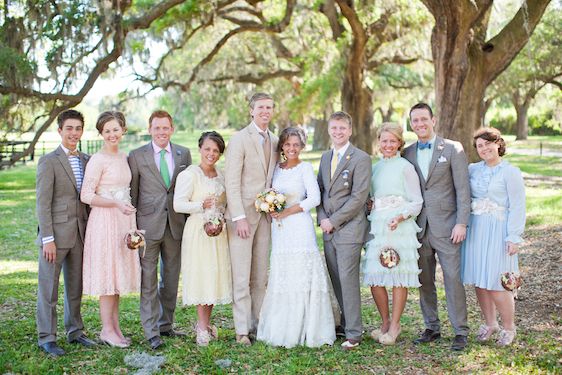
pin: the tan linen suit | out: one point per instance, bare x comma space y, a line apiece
246, 175
61, 214
164, 228
446, 202
343, 202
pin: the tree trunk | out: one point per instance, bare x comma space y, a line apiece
321, 140
522, 120
466, 63
358, 102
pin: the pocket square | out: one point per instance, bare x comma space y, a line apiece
442, 159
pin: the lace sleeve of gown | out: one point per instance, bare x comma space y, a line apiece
183, 193
92, 176
413, 192
311, 186
516, 204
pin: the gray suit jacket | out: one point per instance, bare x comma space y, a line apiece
246, 174
60, 212
446, 192
153, 200
344, 196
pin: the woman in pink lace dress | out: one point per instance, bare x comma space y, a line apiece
110, 269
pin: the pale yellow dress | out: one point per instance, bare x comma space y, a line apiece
205, 261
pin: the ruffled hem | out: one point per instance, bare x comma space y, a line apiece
308, 343
110, 292
403, 280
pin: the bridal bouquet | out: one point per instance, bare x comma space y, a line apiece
270, 201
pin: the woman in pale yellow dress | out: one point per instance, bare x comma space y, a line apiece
205, 260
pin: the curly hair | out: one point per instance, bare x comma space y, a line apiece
289, 132
492, 135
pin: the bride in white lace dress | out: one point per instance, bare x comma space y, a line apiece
297, 308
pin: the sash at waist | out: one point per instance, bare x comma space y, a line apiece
388, 202
122, 194
486, 206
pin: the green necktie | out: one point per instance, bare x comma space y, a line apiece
164, 168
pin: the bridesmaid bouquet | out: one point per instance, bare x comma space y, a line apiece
214, 222
511, 281
270, 201
134, 239
389, 257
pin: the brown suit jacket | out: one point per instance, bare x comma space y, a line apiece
60, 212
149, 194
246, 174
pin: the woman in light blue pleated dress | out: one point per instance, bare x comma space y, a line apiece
395, 190
494, 233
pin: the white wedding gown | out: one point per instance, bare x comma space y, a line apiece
298, 308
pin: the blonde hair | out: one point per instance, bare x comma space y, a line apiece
394, 129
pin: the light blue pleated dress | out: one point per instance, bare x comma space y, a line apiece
497, 216
395, 187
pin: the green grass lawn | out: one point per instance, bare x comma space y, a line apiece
536, 351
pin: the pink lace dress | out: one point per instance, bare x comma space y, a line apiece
109, 267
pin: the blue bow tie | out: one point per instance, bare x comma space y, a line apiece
424, 145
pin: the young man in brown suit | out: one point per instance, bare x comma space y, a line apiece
62, 221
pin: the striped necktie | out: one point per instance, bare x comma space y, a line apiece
76, 166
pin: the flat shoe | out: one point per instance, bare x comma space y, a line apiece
485, 333
350, 344
213, 332
506, 337
388, 339
121, 345
376, 334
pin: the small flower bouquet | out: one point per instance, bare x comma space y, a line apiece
214, 222
270, 201
511, 281
389, 257
134, 239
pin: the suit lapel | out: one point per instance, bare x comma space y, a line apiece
438, 147
177, 155
148, 153
342, 164
257, 141
63, 158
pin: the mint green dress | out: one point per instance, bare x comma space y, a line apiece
395, 190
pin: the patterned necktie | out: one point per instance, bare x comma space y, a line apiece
424, 145
266, 147
76, 166
334, 163
164, 172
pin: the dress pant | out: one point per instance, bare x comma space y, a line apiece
70, 262
450, 259
343, 266
158, 299
249, 260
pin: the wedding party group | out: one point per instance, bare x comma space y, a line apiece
117, 224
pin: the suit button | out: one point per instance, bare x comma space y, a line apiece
166, 209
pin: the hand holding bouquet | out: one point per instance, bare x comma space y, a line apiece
214, 219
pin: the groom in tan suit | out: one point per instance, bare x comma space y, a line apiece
250, 159
154, 168
62, 221
344, 178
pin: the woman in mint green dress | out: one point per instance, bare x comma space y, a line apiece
395, 191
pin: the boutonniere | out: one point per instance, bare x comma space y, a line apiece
345, 174
440, 146
347, 157
178, 152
